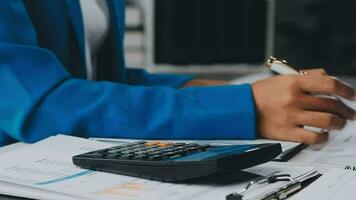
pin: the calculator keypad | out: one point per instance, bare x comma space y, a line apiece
148, 150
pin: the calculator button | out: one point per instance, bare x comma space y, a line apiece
140, 152
115, 151
124, 149
102, 151
179, 144
155, 153
169, 154
155, 157
139, 142
140, 157
176, 148
192, 145
151, 144
204, 147
181, 152
165, 144
166, 151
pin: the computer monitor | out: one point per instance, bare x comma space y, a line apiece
208, 35
317, 33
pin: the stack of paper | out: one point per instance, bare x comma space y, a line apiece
45, 171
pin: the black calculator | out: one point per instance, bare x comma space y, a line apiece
174, 162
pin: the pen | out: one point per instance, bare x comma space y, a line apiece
288, 154
282, 67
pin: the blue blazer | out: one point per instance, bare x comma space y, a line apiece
43, 90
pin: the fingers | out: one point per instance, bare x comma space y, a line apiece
320, 120
329, 105
326, 85
308, 137
299, 134
316, 72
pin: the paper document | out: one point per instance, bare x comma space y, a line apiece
336, 184
45, 171
42, 165
339, 151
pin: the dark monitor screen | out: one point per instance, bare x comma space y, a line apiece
317, 33
210, 31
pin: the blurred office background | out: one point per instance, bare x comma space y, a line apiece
234, 37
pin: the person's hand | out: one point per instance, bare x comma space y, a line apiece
204, 82
284, 105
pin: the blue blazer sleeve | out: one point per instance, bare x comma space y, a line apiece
39, 99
